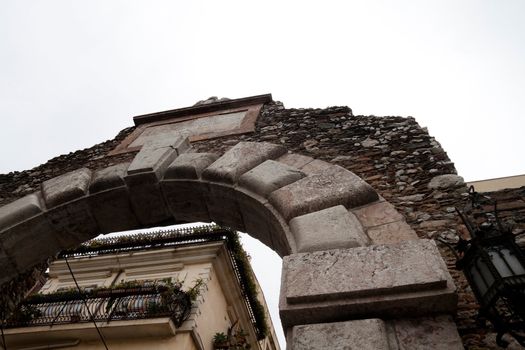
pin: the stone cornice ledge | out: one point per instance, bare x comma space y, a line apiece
211, 107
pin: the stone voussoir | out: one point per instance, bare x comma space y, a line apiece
326, 229
239, 159
269, 176
20, 210
186, 199
143, 176
189, 165
66, 187
109, 178
155, 156
378, 213
335, 186
109, 200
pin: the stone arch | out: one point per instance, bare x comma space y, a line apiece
322, 218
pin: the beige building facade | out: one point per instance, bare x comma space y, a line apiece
166, 292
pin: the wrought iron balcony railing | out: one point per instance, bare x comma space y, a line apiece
103, 305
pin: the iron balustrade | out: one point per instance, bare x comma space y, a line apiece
105, 305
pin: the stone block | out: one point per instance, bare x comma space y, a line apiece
109, 200
367, 334
66, 187
264, 223
239, 159
336, 186
156, 155
374, 281
30, 242
294, 160
20, 210
109, 178
446, 181
112, 210
73, 223
269, 176
221, 201
329, 228
391, 233
189, 165
147, 199
427, 333
186, 200
378, 213
143, 176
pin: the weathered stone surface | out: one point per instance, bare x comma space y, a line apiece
264, 223
379, 213
239, 159
320, 191
108, 178
189, 165
329, 228
156, 155
147, 199
67, 187
432, 333
367, 334
30, 242
269, 176
294, 160
380, 269
112, 210
19, 210
445, 181
221, 201
391, 233
73, 223
144, 173
186, 199
385, 280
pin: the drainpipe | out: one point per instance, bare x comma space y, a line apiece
53, 346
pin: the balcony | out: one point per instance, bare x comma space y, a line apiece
103, 305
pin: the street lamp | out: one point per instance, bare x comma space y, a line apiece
494, 266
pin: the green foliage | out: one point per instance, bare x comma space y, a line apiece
219, 338
25, 314
195, 291
245, 270
234, 340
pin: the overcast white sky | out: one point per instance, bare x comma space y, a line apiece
72, 74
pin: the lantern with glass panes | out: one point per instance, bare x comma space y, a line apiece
494, 266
